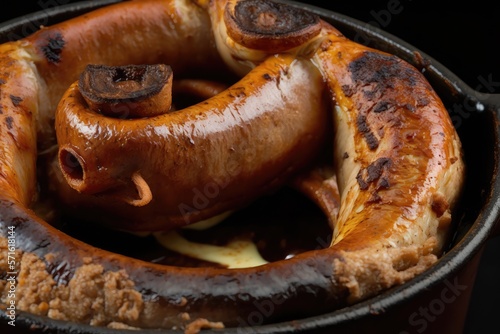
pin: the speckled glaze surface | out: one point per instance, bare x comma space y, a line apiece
445, 286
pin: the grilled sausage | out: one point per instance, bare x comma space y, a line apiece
233, 148
38, 69
398, 165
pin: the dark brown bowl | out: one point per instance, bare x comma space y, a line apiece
435, 301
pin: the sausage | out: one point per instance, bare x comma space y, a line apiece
233, 148
397, 164
19, 114
39, 68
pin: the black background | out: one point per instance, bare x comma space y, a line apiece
465, 38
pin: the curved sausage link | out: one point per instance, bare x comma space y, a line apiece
399, 159
19, 118
37, 70
237, 146
399, 168
115, 35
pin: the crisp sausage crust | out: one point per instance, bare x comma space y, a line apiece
389, 194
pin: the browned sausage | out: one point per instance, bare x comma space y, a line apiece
399, 169
198, 162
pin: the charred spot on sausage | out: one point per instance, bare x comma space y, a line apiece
375, 198
367, 133
52, 50
375, 75
374, 173
381, 106
16, 100
423, 101
134, 90
261, 17
9, 121
410, 107
362, 184
376, 169
348, 90
383, 183
264, 25
382, 70
62, 272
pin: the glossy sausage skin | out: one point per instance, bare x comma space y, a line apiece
38, 69
19, 114
399, 170
201, 161
399, 166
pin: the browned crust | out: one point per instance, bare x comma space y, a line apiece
268, 26
368, 256
144, 90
